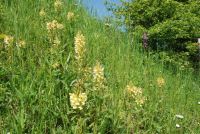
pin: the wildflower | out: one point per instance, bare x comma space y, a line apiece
77, 101
8, 39
55, 65
79, 46
98, 75
179, 116
140, 100
42, 13
54, 25
178, 126
58, 4
160, 82
135, 91
199, 102
21, 44
70, 16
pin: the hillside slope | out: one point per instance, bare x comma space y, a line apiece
62, 71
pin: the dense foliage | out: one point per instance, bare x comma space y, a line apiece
173, 25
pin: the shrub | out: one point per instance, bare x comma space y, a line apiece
172, 25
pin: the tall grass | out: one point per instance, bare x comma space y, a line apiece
36, 80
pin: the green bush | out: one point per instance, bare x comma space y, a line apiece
172, 25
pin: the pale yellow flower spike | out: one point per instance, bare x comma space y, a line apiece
54, 25
140, 100
77, 101
98, 75
79, 42
58, 4
135, 91
8, 40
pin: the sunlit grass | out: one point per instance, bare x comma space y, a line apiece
72, 73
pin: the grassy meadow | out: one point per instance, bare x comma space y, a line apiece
63, 71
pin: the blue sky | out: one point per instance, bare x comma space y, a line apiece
98, 6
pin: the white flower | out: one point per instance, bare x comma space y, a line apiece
179, 116
178, 126
199, 102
